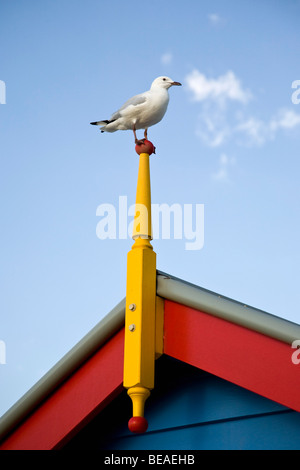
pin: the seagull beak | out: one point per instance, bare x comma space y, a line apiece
176, 83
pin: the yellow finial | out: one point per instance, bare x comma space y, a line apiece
142, 227
138, 396
139, 351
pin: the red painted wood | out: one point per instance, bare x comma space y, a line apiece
75, 402
242, 356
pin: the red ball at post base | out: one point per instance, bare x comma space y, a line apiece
138, 424
145, 147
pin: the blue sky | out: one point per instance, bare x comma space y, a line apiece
230, 140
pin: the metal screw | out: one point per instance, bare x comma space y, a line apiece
132, 327
132, 307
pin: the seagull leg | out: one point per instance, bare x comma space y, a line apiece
146, 134
137, 141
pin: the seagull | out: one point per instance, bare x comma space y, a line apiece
141, 111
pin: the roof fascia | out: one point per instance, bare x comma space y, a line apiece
190, 295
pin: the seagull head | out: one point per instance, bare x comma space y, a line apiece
163, 82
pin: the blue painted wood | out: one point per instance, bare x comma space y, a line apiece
191, 409
204, 398
267, 432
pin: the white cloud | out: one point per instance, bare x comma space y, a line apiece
258, 132
222, 89
214, 18
222, 173
212, 127
285, 119
217, 124
254, 130
167, 58
216, 127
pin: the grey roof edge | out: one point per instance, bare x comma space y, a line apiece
96, 337
172, 288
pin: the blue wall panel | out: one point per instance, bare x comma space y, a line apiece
190, 409
272, 432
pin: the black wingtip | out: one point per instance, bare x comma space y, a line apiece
94, 123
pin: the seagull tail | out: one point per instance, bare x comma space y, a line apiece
104, 124
100, 123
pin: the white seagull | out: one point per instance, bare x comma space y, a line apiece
141, 111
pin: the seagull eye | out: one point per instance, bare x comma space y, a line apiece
164, 79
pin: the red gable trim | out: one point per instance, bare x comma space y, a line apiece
75, 402
242, 356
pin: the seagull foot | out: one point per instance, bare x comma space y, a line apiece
139, 142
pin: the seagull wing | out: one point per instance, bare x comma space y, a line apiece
134, 101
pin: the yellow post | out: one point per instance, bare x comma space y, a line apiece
139, 352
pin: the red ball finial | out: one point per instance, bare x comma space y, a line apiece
138, 424
145, 147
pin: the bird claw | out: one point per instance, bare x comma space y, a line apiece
139, 142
